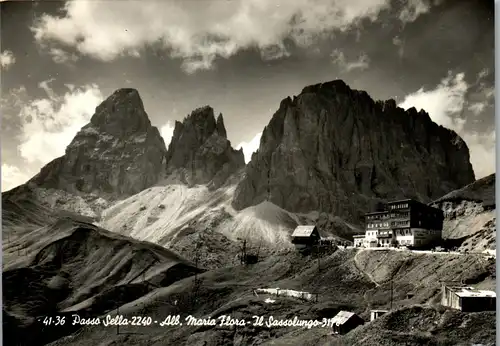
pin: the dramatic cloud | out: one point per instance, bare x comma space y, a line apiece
167, 131
477, 107
7, 59
250, 147
413, 10
398, 42
12, 176
11, 103
446, 104
49, 124
197, 32
482, 150
361, 63
62, 57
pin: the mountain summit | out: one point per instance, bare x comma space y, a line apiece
335, 150
122, 114
200, 153
117, 154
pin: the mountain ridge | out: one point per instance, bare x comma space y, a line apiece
331, 150
306, 161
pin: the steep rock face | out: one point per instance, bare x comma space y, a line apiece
335, 150
469, 214
117, 154
200, 152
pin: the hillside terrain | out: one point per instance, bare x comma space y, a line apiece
421, 325
123, 225
70, 265
340, 282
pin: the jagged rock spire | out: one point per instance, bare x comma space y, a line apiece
200, 152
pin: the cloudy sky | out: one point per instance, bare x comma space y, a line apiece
60, 59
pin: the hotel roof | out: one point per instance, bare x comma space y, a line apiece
377, 212
472, 292
404, 200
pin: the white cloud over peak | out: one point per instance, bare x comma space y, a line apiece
7, 59
12, 176
361, 63
250, 147
446, 104
167, 131
197, 32
49, 124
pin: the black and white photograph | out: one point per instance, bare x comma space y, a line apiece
248, 172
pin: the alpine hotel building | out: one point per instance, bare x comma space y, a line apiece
403, 223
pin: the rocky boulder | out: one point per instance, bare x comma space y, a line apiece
335, 150
117, 154
200, 153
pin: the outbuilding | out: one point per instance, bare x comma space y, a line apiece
468, 299
345, 321
374, 314
305, 236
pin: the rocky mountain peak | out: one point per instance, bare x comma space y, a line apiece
221, 129
335, 86
335, 150
121, 114
117, 154
199, 152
